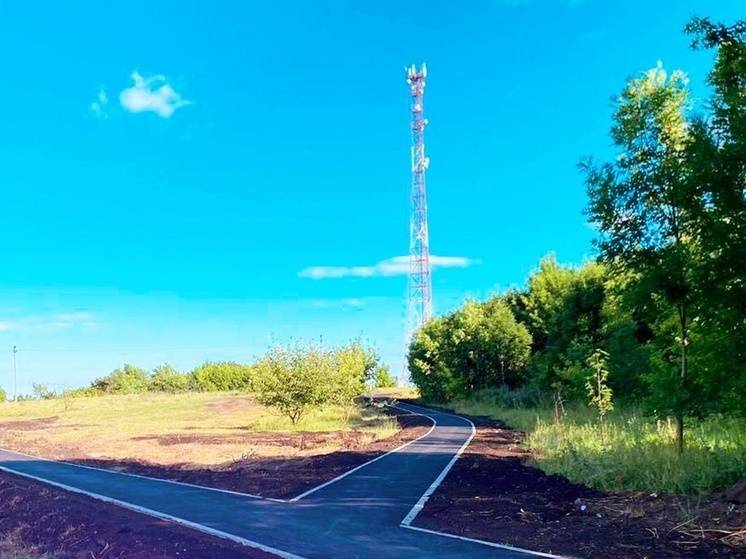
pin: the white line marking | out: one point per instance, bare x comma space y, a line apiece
412, 514
490, 544
140, 476
376, 459
162, 515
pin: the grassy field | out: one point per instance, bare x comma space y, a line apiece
195, 428
628, 451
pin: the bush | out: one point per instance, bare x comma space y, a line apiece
3, 395
353, 367
127, 380
42, 391
294, 378
382, 378
167, 379
223, 376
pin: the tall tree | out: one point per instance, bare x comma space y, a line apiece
718, 205
639, 204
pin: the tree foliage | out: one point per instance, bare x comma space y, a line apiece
478, 346
165, 378
125, 380
223, 376
382, 377
296, 378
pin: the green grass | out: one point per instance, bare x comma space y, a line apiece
628, 451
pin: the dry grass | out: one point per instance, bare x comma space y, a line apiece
398, 392
12, 548
204, 429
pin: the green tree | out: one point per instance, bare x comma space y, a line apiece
382, 377
563, 310
478, 346
428, 363
639, 204
294, 379
223, 376
352, 368
718, 206
3, 395
167, 379
127, 380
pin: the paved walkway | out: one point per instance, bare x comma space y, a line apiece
357, 516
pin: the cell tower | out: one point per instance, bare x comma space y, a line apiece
420, 294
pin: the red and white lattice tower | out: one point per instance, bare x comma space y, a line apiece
420, 294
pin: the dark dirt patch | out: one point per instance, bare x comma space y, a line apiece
492, 494
43, 519
30, 424
301, 440
282, 477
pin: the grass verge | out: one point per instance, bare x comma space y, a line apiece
628, 451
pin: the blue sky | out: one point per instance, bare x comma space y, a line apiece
170, 172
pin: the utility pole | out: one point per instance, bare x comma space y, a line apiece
15, 375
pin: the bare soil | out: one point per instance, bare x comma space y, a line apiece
41, 519
492, 494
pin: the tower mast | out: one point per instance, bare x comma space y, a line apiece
420, 295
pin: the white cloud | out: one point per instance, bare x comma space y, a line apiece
48, 322
77, 316
153, 94
396, 266
98, 107
350, 303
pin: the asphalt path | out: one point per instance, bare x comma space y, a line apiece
364, 514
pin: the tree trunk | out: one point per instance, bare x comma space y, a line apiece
684, 332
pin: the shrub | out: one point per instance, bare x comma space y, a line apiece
127, 380
42, 391
353, 367
294, 378
167, 379
382, 378
3, 395
223, 376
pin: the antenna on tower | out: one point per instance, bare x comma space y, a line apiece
420, 295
